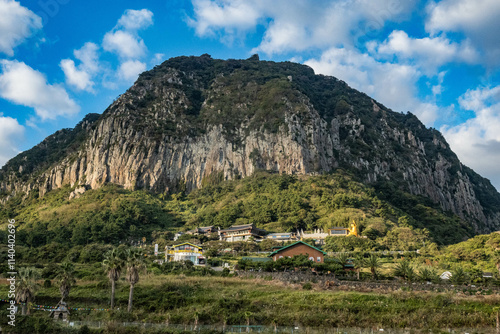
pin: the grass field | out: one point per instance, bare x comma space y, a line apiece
216, 300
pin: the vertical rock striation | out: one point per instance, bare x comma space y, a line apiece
192, 119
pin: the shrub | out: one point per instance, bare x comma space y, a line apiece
307, 286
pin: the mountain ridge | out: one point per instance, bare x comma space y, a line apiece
192, 119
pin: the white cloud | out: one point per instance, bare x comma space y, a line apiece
429, 53
23, 85
88, 56
123, 39
75, 77
297, 25
477, 141
477, 19
230, 16
477, 100
80, 76
125, 44
438, 89
11, 133
394, 85
17, 23
136, 19
158, 58
131, 69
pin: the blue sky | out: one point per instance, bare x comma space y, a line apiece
62, 59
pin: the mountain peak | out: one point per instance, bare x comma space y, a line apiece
192, 119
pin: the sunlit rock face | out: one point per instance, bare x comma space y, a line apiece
196, 118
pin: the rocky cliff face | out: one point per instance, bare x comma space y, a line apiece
192, 120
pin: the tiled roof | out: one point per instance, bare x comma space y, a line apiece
296, 243
186, 243
241, 227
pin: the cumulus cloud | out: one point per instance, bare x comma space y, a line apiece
123, 39
75, 77
477, 141
11, 133
88, 57
25, 86
297, 25
80, 76
230, 16
394, 85
131, 69
136, 19
477, 19
429, 52
125, 44
17, 23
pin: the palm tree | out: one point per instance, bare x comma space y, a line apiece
405, 270
113, 265
497, 260
26, 288
428, 274
66, 278
358, 263
459, 276
196, 318
373, 262
497, 310
342, 258
134, 263
248, 315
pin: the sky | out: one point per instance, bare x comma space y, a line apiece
440, 60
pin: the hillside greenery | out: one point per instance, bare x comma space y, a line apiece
277, 203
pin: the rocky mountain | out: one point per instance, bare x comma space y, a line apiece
191, 120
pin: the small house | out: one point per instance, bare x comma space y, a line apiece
203, 230
299, 248
338, 231
185, 252
344, 231
487, 275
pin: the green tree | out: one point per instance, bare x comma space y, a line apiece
459, 276
301, 261
428, 274
113, 265
404, 270
342, 259
26, 288
373, 263
497, 260
134, 263
66, 278
358, 263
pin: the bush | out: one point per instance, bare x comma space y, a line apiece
307, 286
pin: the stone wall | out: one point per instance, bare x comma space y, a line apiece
331, 283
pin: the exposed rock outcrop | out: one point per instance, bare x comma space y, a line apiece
192, 118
